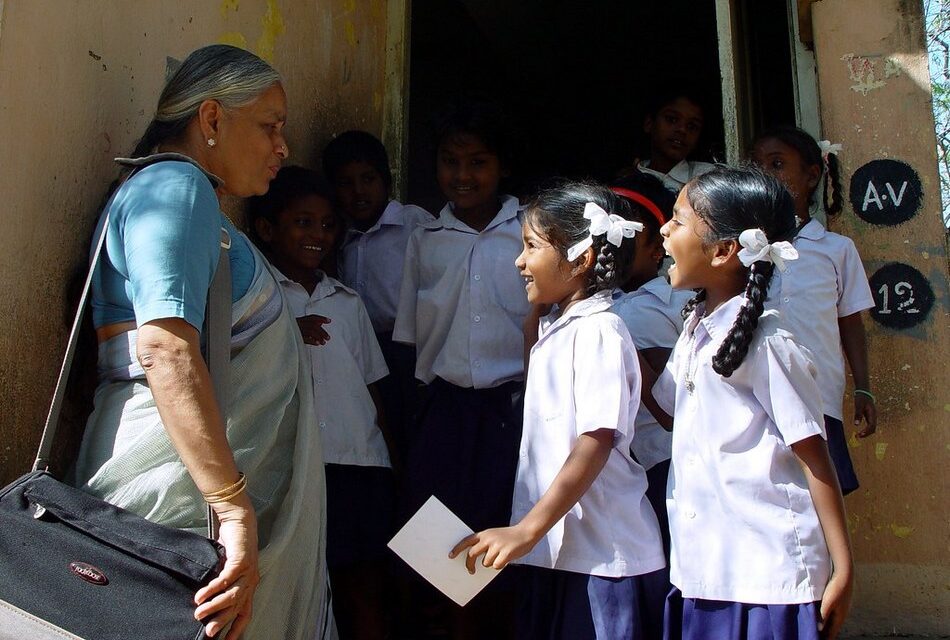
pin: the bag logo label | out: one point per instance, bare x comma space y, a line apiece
89, 573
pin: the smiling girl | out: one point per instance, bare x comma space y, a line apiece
760, 547
580, 523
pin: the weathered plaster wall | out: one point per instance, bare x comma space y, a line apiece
78, 83
875, 99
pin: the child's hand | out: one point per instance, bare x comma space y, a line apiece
835, 603
500, 547
864, 409
311, 328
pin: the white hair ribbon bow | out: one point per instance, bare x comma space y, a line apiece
756, 246
616, 228
827, 148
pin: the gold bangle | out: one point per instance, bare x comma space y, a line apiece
230, 491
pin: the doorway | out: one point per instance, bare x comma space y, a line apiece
576, 77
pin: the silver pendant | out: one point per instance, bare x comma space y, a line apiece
690, 386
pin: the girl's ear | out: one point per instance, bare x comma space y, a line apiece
648, 125
583, 263
209, 118
264, 229
814, 176
723, 252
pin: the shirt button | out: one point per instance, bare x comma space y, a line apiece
690, 514
323, 425
785, 299
318, 380
477, 318
476, 364
477, 277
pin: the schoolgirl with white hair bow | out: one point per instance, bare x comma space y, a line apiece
760, 547
582, 530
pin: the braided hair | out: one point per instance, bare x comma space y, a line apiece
557, 214
806, 147
730, 201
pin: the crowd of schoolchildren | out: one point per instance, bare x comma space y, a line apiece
655, 454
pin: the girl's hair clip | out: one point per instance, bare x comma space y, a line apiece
643, 201
616, 228
756, 248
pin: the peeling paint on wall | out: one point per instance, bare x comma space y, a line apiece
272, 26
901, 531
870, 72
879, 450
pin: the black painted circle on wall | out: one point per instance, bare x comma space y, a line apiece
886, 192
902, 296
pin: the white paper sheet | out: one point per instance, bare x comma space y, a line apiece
424, 543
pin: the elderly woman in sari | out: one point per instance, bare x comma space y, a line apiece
158, 443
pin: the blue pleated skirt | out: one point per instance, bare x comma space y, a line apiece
695, 619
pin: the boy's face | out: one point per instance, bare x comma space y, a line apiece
468, 172
304, 235
674, 132
361, 191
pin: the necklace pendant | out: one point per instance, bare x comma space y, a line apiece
690, 386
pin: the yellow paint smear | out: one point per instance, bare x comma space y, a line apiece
901, 531
272, 26
233, 38
879, 450
229, 5
855, 442
349, 30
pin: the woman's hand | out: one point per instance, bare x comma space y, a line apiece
229, 597
835, 603
311, 328
500, 546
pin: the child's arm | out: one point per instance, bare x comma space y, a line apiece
819, 472
505, 544
652, 363
383, 425
854, 344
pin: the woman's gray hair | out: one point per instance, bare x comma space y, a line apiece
232, 76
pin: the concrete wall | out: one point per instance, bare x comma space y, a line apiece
874, 89
78, 83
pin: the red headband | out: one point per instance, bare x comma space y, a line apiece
643, 201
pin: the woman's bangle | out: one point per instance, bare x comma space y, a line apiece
228, 493
867, 393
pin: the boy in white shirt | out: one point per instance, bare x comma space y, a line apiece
371, 258
297, 228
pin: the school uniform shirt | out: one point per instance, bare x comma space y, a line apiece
742, 521
341, 368
679, 175
583, 376
463, 302
825, 283
371, 261
653, 316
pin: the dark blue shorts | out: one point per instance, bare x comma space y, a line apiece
562, 605
360, 511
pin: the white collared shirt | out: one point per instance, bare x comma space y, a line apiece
742, 521
342, 368
679, 175
583, 376
462, 301
371, 261
653, 316
825, 283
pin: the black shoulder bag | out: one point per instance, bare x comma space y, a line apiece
72, 565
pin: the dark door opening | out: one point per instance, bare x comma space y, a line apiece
576, 77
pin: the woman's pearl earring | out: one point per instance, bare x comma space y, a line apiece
212, 142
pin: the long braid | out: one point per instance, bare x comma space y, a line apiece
692, 303
605, 273
735, 346
833, 183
